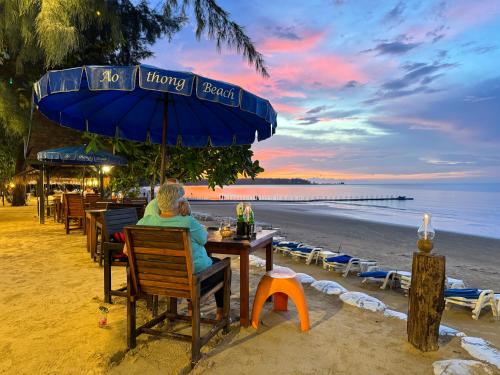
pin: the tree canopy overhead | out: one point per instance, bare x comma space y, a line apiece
52, 30
36, 35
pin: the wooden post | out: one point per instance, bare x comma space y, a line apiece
41, 196
163, 147
426, 301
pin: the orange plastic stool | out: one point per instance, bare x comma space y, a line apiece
280, 288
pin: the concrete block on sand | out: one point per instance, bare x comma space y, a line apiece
481, 349
461, 367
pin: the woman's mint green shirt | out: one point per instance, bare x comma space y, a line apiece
152, 208
197, 233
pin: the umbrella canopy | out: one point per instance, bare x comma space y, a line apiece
76, 155
137, 103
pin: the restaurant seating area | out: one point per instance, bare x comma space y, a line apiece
161, 264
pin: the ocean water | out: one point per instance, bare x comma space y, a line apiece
461, 208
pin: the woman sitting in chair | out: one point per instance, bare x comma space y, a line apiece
175, 212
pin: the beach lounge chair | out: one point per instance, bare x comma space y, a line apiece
404, 279
160, 264
324, 254
305, 252
112, 246
346, 263
285, 247
476, 299
496, 300
384, 276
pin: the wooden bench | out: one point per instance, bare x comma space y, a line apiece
160, 264
113, 221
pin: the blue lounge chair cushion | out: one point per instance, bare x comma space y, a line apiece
290, 245
464, 293
374, 274
306, 250
340, 259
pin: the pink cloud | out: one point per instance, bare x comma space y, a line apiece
294, 170
308, 42
313, 71
264, 155
287, 109
415, 123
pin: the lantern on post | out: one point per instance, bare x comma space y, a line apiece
426, 297
426, 235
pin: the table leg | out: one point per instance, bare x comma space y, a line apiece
269, 256
91, 233
244, 288
107, 277
88, 234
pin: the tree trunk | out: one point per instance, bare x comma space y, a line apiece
152, 189
19, 193
426, 301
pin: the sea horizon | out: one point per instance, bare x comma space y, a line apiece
466, 208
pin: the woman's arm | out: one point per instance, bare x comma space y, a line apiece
198, 232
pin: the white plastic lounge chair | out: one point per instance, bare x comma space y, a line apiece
346, 264
404, 279
323, 254
384, 276
496, 300
284, 247
476, 299
305, 252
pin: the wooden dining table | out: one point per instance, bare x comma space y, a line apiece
231, 246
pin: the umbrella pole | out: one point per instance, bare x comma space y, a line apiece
48, 189
41, 198
101, 181
163, 148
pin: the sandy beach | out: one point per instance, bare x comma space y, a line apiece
50, 309
470, 258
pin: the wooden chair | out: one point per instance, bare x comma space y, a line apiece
160, 263
139, 200
91, 200
140, 207
73, 210
113, 221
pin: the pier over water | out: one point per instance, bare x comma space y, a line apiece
267, 198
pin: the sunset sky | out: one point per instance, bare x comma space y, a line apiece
367, 90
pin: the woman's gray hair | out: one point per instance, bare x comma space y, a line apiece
168, 196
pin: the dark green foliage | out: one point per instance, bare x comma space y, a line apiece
218, 165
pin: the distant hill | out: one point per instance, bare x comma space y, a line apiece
262, 181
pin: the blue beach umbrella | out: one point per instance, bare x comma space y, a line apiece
76, 155
144, 103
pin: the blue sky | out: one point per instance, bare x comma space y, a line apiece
367, 90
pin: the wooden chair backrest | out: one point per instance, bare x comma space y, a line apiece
91, 200
73, 205
160, 260
140, 207
140, 200
115, 220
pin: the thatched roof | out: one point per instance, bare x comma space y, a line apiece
46, 135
